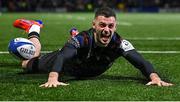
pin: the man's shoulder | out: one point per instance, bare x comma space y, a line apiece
83, 39
116, 38
122, 43
87, 33
116, 35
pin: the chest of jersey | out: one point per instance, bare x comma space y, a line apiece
96, 54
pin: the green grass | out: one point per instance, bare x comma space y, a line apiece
120, 83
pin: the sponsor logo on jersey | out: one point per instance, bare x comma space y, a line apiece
126, 45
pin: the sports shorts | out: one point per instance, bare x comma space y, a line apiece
73, 67
42, 64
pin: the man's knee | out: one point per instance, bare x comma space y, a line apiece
31, 66
24, 63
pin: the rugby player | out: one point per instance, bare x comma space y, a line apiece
86, 54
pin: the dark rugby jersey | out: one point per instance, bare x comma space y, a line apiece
82, 57
88, 50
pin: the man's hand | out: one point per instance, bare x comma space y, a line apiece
156, 80
53, 81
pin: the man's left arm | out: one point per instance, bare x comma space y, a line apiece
143, 65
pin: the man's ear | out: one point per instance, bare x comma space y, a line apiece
93, 24
115, 26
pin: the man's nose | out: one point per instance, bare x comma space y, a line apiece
106, 30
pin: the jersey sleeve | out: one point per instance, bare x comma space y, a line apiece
68, 51
136, 59
139, 62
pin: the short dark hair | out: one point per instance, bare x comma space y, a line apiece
106, 12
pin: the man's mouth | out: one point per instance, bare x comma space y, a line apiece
105, 37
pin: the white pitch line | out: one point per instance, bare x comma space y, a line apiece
146, 52
124, 23
6, 52
159, 52
154, 38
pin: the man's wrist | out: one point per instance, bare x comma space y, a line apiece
154, 76
53, 75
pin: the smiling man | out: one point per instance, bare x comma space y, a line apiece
104, 29
87, 54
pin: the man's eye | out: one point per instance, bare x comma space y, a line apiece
102, 25
111, 26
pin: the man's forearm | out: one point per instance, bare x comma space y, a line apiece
66, 53
139, 62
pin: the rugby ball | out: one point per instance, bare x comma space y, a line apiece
21, 48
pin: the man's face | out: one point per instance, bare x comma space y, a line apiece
104, 30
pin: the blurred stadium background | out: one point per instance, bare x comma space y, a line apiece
89, 5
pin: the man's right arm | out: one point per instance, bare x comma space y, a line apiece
66, 53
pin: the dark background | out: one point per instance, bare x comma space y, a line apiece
89, 5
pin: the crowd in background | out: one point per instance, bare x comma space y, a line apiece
84, 5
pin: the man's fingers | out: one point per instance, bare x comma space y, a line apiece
166, 84
161, 83
170, 84
153, 83
53, 84
63, 84
46, 85
42, 85
150, 83
50, 85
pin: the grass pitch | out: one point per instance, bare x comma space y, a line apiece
122, 82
